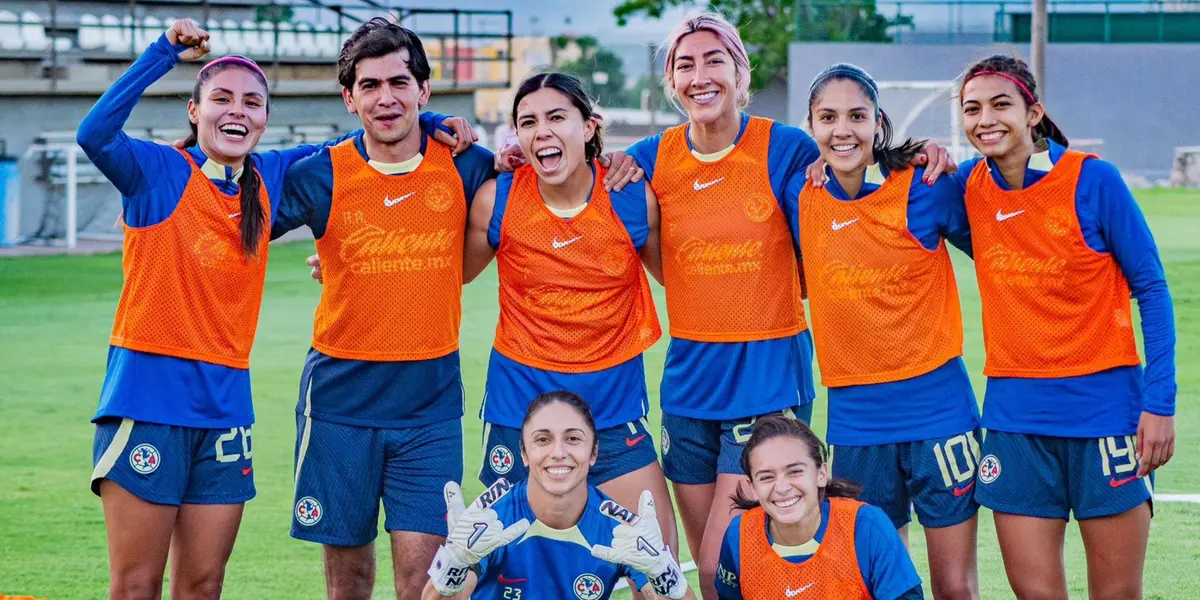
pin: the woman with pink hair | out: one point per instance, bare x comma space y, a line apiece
740, 346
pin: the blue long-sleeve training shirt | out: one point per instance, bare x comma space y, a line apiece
151, 178
1109, 402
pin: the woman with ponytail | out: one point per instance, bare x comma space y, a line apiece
887, 324
1075, 425
173, 448
803, 533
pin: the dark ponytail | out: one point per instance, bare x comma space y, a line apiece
571, 87
1015, 69
253, 217
773, 426
892, 158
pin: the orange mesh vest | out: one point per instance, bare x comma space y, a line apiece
884, 308
728, 261
190, 290
832, 573
392, 258
1052, 306
573, 295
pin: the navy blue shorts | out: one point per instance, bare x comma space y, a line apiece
165, 464
935, 477
694, 451
1054, 477
342, 473
623, 450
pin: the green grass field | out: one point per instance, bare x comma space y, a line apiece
55, 317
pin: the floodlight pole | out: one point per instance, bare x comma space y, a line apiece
1037, 43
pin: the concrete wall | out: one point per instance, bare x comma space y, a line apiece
1137, 97
24, 118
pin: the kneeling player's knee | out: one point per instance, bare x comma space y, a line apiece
137, 586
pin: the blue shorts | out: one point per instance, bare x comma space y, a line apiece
936, 477
166, 464
623, 450
343, 471
694, 451
1053, 477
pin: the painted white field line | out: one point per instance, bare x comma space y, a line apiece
685, 567
1190, 498
1193, 498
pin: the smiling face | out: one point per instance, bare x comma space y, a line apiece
554, 133
230, 113
386, 97
844, 124
704, 77
558, 447
786, 479
997, 120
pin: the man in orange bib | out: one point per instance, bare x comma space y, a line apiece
381, 396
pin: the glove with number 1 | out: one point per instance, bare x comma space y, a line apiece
475, 532
638, 543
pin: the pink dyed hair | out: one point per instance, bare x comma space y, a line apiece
729, 37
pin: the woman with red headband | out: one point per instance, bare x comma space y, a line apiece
1075, 425
173, 446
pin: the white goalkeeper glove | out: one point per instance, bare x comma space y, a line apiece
638, 543
475, 532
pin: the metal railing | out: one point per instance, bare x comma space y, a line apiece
466, 48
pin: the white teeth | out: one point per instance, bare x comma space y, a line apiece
845, 147
556, 471
787, 503
234, 130
544, 152
991, 135
704, 96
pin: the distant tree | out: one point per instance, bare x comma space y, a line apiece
601, 71
768, 26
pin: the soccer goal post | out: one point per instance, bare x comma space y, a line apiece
910, 99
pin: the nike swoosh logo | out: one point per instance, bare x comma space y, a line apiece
564, 244
1114, 482
1000, 216
631, 442
696, 185
963, 490
246, 470
793, 593
389, 202
836, 226
234, 215
506, 581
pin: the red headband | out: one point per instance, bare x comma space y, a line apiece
1028, 94
245, 62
